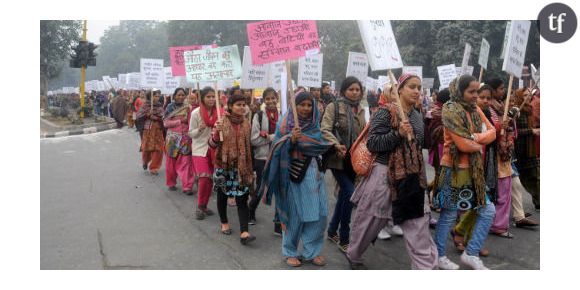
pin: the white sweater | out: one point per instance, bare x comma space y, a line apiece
199, 138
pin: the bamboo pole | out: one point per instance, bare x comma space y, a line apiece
398, 100
218, 107
290, 92
507, 101
481, 74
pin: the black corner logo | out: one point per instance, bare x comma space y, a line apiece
557, 22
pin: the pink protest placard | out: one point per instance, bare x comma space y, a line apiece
176, 57
275, 40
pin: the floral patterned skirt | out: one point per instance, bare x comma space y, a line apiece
226, 182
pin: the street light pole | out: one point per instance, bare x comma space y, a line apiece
83, 73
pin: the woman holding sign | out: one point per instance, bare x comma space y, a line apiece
152, 142
461, 182
341, 124
202, 121
233, 175
395, 187
294, 174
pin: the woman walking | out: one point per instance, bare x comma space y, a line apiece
152, 142
294, 175
461, 183
178, 144
233, 174
202, 122
395, 186
341, 124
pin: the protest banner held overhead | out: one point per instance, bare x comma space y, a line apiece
310, 71
357, 66
151, 73
446, 74
253, 76
213, 64
380, 44
275, 40
176, 57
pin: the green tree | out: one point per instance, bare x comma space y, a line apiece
56, 40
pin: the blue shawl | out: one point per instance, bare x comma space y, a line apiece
276, 175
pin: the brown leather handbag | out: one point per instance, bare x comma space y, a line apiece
361, 158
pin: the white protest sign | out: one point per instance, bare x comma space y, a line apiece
134, 81
114, 83
253, 76
466, 55
371, 84
428, 83
383, 81
171, 82
151, 74
310, 71
483, 53
520, 83
535, 73
505, 38
101, 86
516, 47
380, 44
224, 84
107, 82
414, 70
275, 71
464, 71
446, 74
358, 66
123, 81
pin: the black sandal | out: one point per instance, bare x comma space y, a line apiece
226, 232
505, 234
247, 239
334, 238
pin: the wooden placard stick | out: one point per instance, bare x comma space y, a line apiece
402, 114
290, 92
481, 74
218, 107
198, 95
507, 101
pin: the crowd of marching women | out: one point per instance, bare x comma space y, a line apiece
483, 145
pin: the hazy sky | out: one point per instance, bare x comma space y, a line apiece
96, 29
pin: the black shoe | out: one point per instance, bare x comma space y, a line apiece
247, 240
207, 211
278, 229
356, 266
252, 219
188, 192
144, 166
526, 222
173, 188
199, 215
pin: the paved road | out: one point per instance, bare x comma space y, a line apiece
100, 210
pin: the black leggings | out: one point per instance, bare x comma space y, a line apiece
255, 200
243, 212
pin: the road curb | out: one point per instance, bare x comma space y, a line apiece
80, 131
